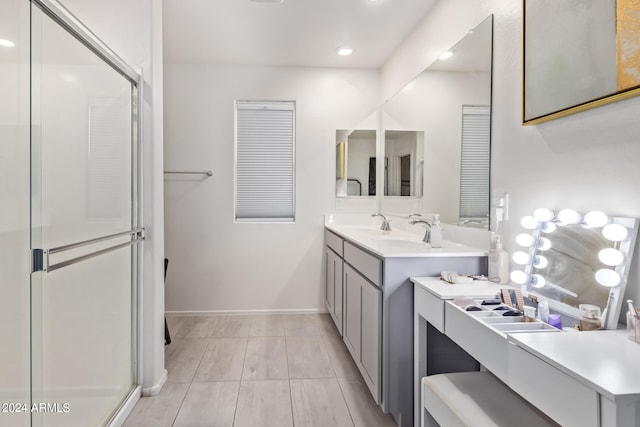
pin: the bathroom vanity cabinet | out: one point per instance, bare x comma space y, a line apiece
377, 300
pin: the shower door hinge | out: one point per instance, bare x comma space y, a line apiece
37, 260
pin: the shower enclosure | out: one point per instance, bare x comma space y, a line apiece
70, 149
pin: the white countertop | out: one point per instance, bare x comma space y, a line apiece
448, 291
604, 360
399, 243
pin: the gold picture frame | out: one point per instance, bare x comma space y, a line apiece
577, 55
340, 160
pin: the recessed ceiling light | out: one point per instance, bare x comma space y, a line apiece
448, 54
344, 51
6, 43
267, 1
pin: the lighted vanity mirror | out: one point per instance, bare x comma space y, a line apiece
570, 259
403, 162
448, 105
355, 162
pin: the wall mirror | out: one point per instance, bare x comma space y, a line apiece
448, 107
355, 162
578, 54
570, 259
403, 162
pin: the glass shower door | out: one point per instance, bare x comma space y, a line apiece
84, 231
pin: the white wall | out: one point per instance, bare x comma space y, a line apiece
585, 161
216, 264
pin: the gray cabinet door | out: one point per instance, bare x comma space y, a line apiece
333, 291
329, 294
352, 306
370, 337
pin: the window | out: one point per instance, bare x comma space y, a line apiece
474, 162
265, 161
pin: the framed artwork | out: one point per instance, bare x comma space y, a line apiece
578, 54
340, 160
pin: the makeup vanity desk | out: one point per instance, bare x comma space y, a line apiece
576, 378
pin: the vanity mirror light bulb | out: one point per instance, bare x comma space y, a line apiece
529, 222
540, 262
519, 277
544, 244
608, 278
596, 219
525, 240
543, 214
611, 257
569, 217
615, 232
549, 227
521, 258
537, 281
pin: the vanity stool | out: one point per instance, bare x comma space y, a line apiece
476, 399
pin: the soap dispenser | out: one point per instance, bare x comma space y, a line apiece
499, 263
436, 232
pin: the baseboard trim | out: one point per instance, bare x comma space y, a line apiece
246, 312
126, 408
155, 390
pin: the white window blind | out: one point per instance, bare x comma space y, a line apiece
474, 162
265, 161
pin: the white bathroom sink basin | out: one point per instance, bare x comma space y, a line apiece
399, 244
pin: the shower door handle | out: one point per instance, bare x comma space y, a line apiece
40, 258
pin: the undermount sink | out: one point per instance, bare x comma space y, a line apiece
401, 244
402, 240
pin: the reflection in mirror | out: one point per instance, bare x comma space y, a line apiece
571, 260
356, 158
403, 162
449, 103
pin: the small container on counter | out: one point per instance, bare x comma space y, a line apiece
589, 317
555, 320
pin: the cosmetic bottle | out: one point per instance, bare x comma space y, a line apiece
631, 321
436, 232
543, 310
499, 263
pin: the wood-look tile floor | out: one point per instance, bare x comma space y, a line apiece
259, 371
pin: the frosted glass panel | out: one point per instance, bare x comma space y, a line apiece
86, 340
83, 314
84, 124
14, 212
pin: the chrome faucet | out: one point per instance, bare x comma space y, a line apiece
427, 234
412, 215
385, 222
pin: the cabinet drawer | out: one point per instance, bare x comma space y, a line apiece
430, 306
334, 242
561, 397
364, 262
484, 344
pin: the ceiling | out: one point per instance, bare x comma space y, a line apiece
301, 33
